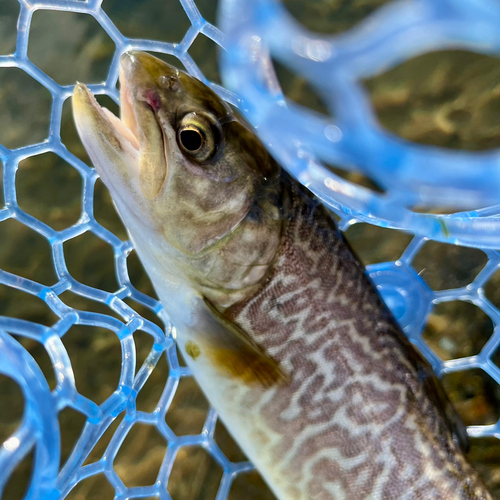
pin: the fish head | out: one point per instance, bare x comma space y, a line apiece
193, 184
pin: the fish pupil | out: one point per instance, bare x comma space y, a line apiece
191, 140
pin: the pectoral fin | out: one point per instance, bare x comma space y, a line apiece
231, 351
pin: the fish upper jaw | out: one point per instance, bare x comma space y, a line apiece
140, 103
127, 113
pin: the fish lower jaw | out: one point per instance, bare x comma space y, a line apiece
112, 146
84, 99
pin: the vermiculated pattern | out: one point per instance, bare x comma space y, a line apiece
355, 413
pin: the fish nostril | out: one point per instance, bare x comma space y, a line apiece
170, 82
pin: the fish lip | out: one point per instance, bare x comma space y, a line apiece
127, 112
131, 71
129, 68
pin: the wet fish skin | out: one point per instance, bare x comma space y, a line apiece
361, 403
274, 314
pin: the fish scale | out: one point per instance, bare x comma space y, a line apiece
355, 406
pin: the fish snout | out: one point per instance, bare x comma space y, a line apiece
140, 67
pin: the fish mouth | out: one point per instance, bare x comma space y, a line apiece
130, 149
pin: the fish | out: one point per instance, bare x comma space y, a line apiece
274, 314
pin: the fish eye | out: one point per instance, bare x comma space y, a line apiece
191, 139
198, 136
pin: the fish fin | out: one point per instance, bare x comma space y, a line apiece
453, 419
232, 351
436, 392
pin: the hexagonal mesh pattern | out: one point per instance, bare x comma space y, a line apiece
48, 395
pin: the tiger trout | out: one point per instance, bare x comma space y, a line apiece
274, 314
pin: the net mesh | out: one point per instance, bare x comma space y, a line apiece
410, 174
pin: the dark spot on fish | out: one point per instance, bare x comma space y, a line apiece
274, 304
255, 213
192, 349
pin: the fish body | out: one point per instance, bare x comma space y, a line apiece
274, 314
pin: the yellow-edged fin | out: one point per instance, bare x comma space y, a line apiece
230, 350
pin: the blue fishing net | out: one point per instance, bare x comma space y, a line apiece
410, 175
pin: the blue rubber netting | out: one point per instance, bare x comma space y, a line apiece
410, 174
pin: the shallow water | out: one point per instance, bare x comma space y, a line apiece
449, 99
